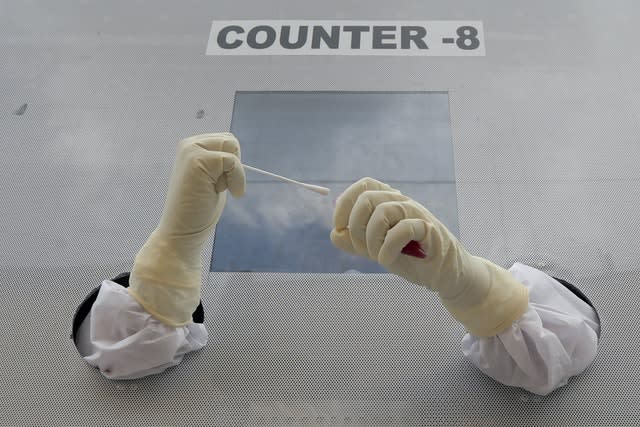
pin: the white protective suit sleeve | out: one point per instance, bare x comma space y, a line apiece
555, 339
124, 341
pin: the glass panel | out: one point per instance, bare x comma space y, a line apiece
330, 139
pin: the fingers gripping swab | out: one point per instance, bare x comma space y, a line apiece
315, 188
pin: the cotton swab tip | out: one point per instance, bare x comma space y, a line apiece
318, 189
315, 188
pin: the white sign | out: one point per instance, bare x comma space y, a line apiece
382, 38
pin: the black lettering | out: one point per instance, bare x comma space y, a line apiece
253, 35
413, 34
331, 41
378, 37
356, 31
467, 34
222, 37
285, 35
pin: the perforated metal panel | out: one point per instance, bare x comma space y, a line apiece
545, 134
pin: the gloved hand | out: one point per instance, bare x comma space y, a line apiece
373, 220
166, 276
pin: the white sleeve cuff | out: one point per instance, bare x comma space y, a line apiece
555, 339
125, 342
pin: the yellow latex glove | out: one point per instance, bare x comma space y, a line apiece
166, 276
373, 220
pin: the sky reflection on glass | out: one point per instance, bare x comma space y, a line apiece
330, 139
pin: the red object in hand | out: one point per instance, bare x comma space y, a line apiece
413, 248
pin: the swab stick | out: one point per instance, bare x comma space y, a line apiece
315, 188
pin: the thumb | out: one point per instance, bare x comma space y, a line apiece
229, 170
342, 240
